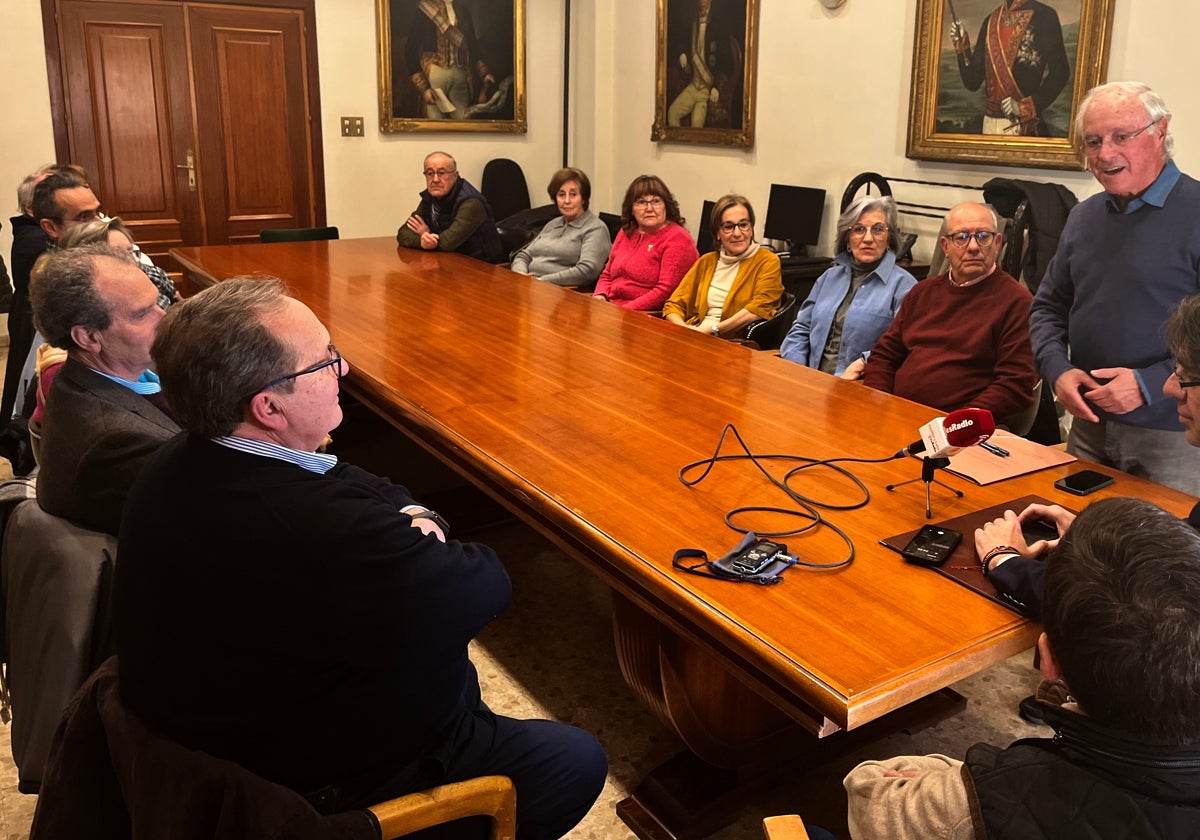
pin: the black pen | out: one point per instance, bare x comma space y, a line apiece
995, 450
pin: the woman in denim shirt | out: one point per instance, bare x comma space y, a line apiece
854, 301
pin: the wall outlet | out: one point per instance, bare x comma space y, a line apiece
352, 126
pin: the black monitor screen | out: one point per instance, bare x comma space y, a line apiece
704, 237
794, 214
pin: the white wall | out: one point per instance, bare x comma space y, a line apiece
26, 136
823, 115
833, 95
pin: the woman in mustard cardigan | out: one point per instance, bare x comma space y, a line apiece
732, 287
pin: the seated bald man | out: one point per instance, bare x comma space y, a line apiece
962, 338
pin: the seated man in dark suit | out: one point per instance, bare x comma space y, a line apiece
105, 412
279, 577
452, 215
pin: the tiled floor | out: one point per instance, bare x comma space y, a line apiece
551, 655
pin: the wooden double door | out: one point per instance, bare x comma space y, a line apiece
198, 123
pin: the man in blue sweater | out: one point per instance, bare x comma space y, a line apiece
1127, 256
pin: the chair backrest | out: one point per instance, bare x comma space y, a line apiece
504, 187
1020, 424
57, 580
704, 234
769, 334
298, 234
613, 222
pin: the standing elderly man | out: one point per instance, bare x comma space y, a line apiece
452, 215
1127, 257
961, 338
253, 563
105, 413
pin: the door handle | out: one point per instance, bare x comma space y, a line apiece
190, 166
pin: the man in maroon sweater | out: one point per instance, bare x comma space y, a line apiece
961, 338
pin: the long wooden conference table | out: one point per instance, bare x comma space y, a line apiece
578, 415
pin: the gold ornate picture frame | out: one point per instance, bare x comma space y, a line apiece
967, 103
706, 70
437, 74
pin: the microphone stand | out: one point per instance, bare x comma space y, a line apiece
929, 467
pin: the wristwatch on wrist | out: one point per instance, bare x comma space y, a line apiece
434, 517
716, 331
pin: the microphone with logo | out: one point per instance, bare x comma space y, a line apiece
944, 436
941, 437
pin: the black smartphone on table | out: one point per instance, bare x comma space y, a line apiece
931, 546
1084, 482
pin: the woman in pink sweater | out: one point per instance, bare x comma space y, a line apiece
653, 250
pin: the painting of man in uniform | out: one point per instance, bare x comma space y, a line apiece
452, 59
706, 56
1007, 67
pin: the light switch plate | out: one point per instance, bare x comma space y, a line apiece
352, 126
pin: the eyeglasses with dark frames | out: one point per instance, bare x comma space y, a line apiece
335, 363
744, 226
960, 238
1184, 384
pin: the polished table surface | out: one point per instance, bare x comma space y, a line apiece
578, 415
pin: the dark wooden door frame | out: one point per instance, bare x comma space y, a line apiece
58, 107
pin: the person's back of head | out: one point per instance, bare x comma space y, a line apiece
1122, 617
64, 295
213, 352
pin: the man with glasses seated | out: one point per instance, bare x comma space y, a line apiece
300, 616
452, 215
105, 413
961, 338
1126, 257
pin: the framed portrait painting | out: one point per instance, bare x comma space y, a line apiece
451, 66
707, 61
999, 81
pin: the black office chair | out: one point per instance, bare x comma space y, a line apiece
704, 235
504, 187
298, 234
520, 228
613, 222
768, 334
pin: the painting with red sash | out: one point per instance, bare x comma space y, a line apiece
998, 80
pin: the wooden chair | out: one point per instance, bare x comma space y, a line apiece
298, 234
785, 827
108, 771
492, 796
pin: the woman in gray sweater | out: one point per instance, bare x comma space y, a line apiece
572, 249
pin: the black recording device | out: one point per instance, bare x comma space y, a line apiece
752, 559
932, 546
1084, 482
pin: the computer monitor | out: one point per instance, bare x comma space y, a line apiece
704, 235
794, 215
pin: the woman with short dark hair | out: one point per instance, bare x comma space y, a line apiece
653, 250
570, 250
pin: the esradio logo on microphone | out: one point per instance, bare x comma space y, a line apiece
963, 424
